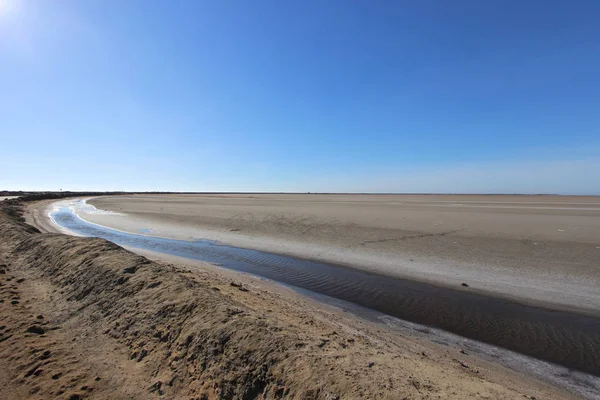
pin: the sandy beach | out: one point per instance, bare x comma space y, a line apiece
538, 249
87, 318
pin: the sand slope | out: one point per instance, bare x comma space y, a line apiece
113, 324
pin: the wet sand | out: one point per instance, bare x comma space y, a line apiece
537, 249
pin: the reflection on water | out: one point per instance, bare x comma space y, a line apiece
564, 338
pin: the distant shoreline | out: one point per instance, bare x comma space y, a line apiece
67, 193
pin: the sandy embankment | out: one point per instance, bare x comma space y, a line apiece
540, 249
83, 317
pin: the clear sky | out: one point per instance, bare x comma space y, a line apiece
296, 95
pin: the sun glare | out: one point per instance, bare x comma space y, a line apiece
6, 6
3, 7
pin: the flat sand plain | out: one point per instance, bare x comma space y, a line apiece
536, 248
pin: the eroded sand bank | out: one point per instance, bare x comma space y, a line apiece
543, 249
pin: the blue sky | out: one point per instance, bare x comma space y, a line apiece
386, 96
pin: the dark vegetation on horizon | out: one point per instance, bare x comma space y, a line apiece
44, 195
